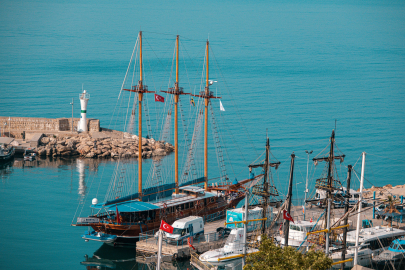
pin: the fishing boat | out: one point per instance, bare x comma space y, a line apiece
7, 151
233, 246
126, 216
29, 155
394, 255
372, 242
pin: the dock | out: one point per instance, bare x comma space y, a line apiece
148, 244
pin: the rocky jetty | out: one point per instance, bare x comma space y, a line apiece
89, 146
385, 191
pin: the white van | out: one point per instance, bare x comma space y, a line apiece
186, 227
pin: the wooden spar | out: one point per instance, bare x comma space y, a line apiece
347, 197
176, 91
140, 89
265, 184
140, 96
289, 195
176, 138
206, 100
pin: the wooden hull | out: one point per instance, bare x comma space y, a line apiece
131, 231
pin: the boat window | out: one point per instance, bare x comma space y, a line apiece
374, 245
187, 206
356, 196
182, 207
395, 246
191, 204
294, 227
392, 245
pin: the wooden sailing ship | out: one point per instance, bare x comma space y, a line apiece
128, 216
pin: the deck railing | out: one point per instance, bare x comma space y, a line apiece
197, 239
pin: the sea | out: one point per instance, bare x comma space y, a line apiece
291, 71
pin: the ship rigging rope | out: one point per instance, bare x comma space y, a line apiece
220, 138
327, 146
234, 104
290, 146
83, 199
125, 78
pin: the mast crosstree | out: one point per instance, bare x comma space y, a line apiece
176, 91
207, 95
140, 89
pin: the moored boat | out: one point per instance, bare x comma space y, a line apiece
126, 216
7, 151
372, 242
233, 246
394, 255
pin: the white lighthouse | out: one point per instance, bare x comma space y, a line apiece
84, 99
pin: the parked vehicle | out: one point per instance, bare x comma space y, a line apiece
186, 227
224, 231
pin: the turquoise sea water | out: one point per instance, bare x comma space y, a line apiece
291, 68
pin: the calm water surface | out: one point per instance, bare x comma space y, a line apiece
291, 68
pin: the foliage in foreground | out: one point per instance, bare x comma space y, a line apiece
274, 257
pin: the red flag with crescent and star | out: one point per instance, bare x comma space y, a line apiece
287, 216
166, 227
159, 98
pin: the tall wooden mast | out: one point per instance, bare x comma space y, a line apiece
207, 95
329, 184
140, 96
176, 91
140, 89
206, 101
176, 137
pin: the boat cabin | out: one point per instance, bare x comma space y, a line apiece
375, 237
397, 245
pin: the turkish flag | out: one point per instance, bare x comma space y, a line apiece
159, 98
287, 216
166, 227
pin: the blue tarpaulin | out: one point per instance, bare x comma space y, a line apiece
129, 206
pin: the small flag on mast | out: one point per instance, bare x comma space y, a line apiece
192, 102
221, 107
159, 98
287, 216
166, 227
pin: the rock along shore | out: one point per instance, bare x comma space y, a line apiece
101, 145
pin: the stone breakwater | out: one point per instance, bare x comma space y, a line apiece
104, 147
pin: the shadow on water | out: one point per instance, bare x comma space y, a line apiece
6, 168
109, 257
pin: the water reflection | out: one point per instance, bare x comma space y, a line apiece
109, 257
80, 165
6, 168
